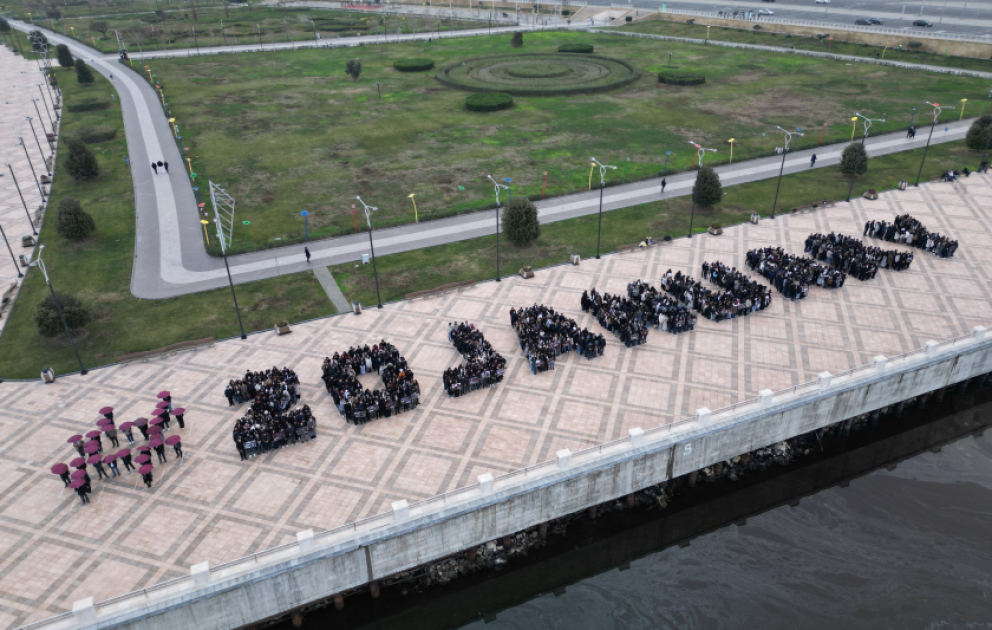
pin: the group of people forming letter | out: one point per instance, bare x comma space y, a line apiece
545, 334
359, 405
483, 366
907, 230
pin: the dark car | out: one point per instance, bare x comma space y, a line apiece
862, 22
768, 0
875, 21
922, 23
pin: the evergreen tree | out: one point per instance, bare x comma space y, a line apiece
47, 319
854, 154
81, 162
520, 222
73, 221
65, 57
978, 133
83, 73
707, 191
4, 25
353, 68
518, 40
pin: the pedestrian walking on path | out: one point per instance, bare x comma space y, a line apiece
307, 252
663, 184
166, 164
812, 161
911, 132
155, 167
161, 164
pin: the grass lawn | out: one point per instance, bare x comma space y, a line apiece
98, 271
804, 42
400, 274
286, 132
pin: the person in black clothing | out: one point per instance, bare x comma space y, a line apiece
483, 366
100, 474
907, 230
359, 405
66, 478
262, 429
147, 478
160, 451
82, 492
155, 167
128, 466
178, 448
545, 334
166, 165
792, 275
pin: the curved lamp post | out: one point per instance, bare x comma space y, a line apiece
496, 187
700, 152
368, 220
230, 281
936, 113
602, 184
781, 170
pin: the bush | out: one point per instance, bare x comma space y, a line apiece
707, 191
575, 48
47, 319
53, 13
88, 105
4, 25
690, 22
757, 27
978, 133
413, 65
74, 222
629, 18
83, 73
96, 134
65, 57
915, 45
853, 154
488, 102
517, 40
353, 68
566, 12
81, 162
99, 27
680, 77
520, 222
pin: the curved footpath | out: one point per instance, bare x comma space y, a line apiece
170, 258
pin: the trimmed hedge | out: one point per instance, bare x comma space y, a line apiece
676, 77
88, 105
93, 135
575, 48
413, 65
488, 101
614, 74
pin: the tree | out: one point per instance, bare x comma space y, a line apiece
520, 222
853, 154
353, 68
518, 40
73, 221
53, 13
65, 57
81, 162
707, 191
83, 73
46, 316
4, 25
100, 27
978, 133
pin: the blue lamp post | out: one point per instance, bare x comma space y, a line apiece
306, 225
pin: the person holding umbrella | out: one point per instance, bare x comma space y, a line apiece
166, 397
80, 487
159, 447
97, 463
146, 474
162, 411
95, 436
111, 432
77, 443
142, 424
127, 428
125, 455
108, 412
62, 471
109, 460
176, 442
178, 413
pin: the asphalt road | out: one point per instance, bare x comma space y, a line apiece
971, 17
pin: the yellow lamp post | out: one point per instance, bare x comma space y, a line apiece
204, 223
411, 196
592, 165
854, 127
731, 141
73, 29
963, 101
175, 129
707, 32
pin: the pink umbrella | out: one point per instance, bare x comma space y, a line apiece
155, 430
172, 440
103, 421
162, 405
157, 421
59, 469
77, 483
107, 410
159, 412
108, 428
79, 462
127, 426
93, 434
141, 422
178, 411
91, 447
144, 470
79, 474
74, 439
93, 459
144, 449
156, 442
109, 458
143, 459
163, 394
124, 452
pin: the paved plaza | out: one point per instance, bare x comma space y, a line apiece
216, 508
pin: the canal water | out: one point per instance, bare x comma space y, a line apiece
888, 528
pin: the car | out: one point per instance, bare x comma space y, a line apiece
821, 1
875, 21
765, 12
922, 23
768, 0
862, 22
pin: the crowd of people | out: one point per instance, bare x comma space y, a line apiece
628, 319
907, 230
713, 305
483, 366
852, 257
267, 428
744, 294
545, 334
793, 275
281, 386
359, 405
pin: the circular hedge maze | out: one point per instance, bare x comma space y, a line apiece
543, 74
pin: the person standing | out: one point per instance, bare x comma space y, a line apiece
81, 491
112, 436
66, 479
812, 161
178, 447
113, 468
160, 451
179, 419
147, 478
129, 435
166, 165
100, 474
155, 167
307, 252
128, 466
663, 184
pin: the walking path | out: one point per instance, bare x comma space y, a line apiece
170, 258
331, 288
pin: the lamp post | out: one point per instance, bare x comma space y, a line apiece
33, 173
230, 281
368, 220
18, 187
602, 185
222, 36
544, 186
13, 258
668, 154
314, 31
963, 102
246, 224
260, 47
497, 186
38, 141
416, 219
857, 157
306, 226
781, 170
40, 264
936, 113
378, 90
731, 141
700, 153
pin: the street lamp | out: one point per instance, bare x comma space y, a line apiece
230, 281
497, 186
38, 141
306, 225
40, 264
936, 113
19, 194
857, 156
314, 31
963, 102
781, 170
12, 257
368, 220
700, 153
260, 47
411, 196
602, 185
668, 154
732, 141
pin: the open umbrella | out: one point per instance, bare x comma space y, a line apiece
178, 411
144, 470
79, 474
94, 459
74, 439
144, 458
124, 452
159, 412
79, 462
155, 430
91, 447
103, 421
157, 421
156, 442
141, 422
172, 440
110, 458
107, 410
127, 426
59, 469
162, 405
144, 449
163, 394
93, 434
77, 483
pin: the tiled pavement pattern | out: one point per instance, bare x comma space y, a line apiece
19, 77
216, 508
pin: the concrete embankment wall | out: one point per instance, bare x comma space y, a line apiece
267, 584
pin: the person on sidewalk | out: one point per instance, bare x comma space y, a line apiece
812, 161
663, 184
166, 164
307, 252
155, 167
911, 132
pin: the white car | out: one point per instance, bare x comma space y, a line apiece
821, 2
765, 12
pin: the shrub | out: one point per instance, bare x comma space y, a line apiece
854, 154
488, 101
95, 134
73, 221
575, 48
353, 68
629, 19
81, 162
566, 12
680, 77
83, 73
4, 25
413, 65
520, 222
65, 57
88, 105
53, 13
757, 27
707, 191
517, 40
915, 45
979, 132
99, 27
46, 316
690, 22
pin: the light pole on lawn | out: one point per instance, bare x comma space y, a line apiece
230, 281
368, 220
668, 154
781, 170
857, 157
497, 186
602, 184
936, 113
306, 226
260, 47
314, 31
700, 153
40, 264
